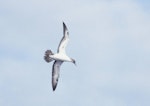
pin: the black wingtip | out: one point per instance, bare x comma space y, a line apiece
64, 25
54, 87
63, 22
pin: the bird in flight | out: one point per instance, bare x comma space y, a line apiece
59, 57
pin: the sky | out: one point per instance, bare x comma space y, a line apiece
109, 39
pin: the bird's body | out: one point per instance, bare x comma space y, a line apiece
59, 57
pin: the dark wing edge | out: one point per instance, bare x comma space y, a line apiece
55, 73
65, 35
64, 29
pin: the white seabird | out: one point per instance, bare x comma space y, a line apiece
59, 57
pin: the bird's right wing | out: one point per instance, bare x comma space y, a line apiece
64, 41
55, 73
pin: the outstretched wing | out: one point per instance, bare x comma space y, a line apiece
55, 73
64, 41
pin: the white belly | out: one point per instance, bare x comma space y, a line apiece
61, 57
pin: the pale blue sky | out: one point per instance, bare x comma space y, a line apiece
110, 40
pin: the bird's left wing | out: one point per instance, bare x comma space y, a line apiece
55, 73
64, 41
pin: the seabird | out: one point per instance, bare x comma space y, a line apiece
59, 57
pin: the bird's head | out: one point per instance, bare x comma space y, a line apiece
73, 61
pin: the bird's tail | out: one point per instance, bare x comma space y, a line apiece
47, 56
